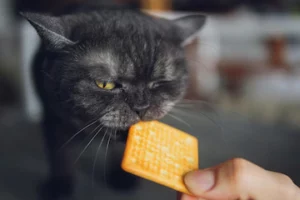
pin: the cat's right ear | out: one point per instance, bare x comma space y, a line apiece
50, 29
189, 25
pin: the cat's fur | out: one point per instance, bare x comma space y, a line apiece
142, 54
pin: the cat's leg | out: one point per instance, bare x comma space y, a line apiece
61, 172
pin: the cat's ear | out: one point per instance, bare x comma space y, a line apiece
50, 29
190, 24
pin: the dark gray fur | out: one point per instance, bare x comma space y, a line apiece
141, 53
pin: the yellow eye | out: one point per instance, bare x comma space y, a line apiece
106, 85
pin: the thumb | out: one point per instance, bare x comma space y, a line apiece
199, 182
239, 179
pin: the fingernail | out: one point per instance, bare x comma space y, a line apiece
200, 181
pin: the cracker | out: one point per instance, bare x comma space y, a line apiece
160, 153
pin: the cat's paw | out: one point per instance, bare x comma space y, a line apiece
56, 189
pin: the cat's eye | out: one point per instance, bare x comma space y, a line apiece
106, 85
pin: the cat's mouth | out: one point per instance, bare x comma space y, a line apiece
122, 120
119, 124
124, 125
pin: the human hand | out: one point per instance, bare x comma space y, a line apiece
239, 179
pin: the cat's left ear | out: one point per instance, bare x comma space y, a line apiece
50, 29
190, 25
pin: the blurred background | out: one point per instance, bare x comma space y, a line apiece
245, 86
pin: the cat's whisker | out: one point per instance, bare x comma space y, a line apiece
77, 133
218, 125
193, 100
179, 119
189, 102
87, 138
177, 110
85, 148
185, 106
105, 158
195, 103
115, 136
96, 158
210, 119
206, 116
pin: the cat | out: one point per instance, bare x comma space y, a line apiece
107, 69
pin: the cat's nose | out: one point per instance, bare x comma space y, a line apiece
141, 109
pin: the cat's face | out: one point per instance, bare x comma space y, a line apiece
123, 75
138, 80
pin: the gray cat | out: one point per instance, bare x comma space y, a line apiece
107, 69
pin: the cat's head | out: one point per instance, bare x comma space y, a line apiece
118, 66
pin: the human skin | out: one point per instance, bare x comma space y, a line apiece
239, 179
